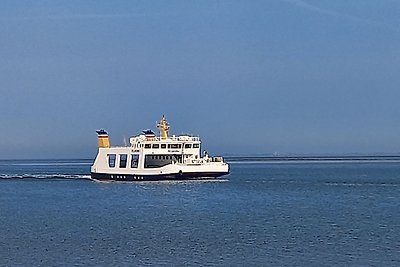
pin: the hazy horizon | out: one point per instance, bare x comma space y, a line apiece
355, 156
286, 76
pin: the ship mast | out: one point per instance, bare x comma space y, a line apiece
163, 125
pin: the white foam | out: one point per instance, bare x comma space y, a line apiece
44, 176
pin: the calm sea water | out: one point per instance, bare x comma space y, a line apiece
262, 214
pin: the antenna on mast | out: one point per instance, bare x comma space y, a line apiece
125, 142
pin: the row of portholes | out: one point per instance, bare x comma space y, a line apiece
124, 177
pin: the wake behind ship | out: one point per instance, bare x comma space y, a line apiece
152, 158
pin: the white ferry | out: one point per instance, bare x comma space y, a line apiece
151, 158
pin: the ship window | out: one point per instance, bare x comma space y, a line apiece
163, 145
111, 160
188, 145
156, 146
134, 161
122, 160
196, 145
174, 145
147, 146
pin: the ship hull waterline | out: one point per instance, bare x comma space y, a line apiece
159, 177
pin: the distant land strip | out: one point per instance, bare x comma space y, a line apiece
311, 158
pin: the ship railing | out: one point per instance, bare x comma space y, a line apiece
140, 138
213, 159
204, 160
185, 138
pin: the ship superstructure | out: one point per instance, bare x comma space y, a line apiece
152, 157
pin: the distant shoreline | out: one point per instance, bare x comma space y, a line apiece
255, 158
313, 159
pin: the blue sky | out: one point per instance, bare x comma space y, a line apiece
249, 77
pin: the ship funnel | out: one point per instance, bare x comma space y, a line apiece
104, 141
164, 127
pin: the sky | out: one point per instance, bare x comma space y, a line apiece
248, 77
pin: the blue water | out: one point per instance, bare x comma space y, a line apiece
262, 214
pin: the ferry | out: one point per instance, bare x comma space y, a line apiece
149, 157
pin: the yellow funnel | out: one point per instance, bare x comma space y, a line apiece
103, 139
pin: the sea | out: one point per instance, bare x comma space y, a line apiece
266, 212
